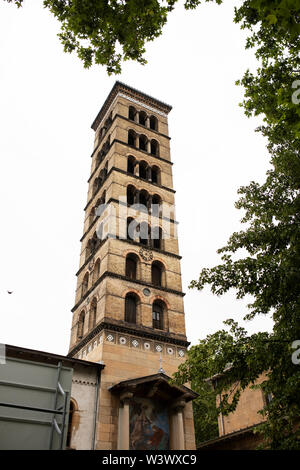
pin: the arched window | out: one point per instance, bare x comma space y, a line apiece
88, 250
153, 123
131, 266
105, 147
93, 313
130, 194
154, 147
99, 235
131, 302
158, 315
92, 216
131, 138
131, 164
80, 326
85, 284
72, 410
96, 271
105, 169
96, 185
143, 142
94, 242
142, 118
155, 174
143, 169
156, 273
99, 158
131, 113
156, 237
143, 201
144, 233
108, 121
132, 227
156, 201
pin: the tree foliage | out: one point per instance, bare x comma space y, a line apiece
107, 32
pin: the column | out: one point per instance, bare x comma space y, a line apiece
148, 146
177, 427
123, 439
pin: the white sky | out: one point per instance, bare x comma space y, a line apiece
48, 102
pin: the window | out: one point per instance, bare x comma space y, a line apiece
130, 165
143, 169
155, 175
72, 410
92, 216
85, 284
132, 138
143, 142
153, 123
96, 186
131, 113
96, 272
143, 201
99, 158
131, 266
144, 233
158, 315
130, 195
131, 228
93, 313
154, 147
156, 205
156, 237
142, 118
130, 308
156, 273
80, 326
94, 242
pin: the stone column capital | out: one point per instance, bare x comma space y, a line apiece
125, 397
178, 405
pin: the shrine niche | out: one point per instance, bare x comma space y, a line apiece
148, 425
151, 413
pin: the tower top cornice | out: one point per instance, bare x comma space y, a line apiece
134, 95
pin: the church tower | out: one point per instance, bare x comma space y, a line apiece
129, 311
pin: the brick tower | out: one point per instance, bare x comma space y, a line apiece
129, 309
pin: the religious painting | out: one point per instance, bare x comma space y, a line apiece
149, 425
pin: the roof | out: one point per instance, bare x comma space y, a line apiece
229, 436
133, 93
159, 382
43, 356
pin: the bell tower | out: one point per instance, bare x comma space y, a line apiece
129, 310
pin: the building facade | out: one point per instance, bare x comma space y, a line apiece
237, 429
129, 311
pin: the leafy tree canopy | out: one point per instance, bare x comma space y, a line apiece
108, 32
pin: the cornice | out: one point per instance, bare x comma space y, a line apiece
131, 242
126, 205
119, 170
140, 331
124, 278
131, 94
